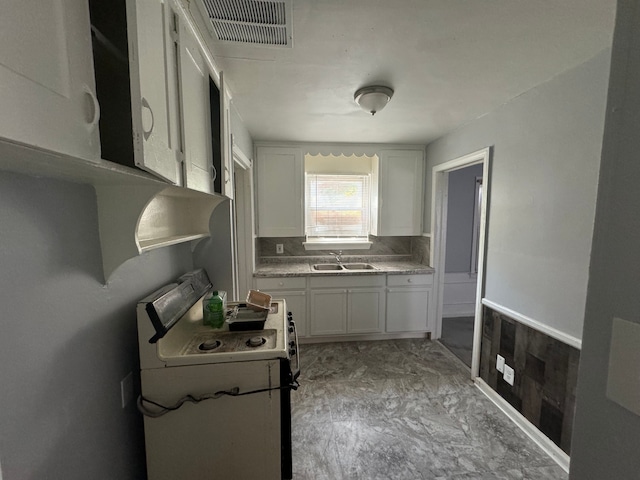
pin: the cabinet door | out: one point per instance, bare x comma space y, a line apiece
328, 312
196, 114
280, 197
297, 305
226, 144
365, 312
400, 193
46, 76
408, 309
151, 68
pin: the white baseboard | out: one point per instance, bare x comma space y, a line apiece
555, 452
536, 325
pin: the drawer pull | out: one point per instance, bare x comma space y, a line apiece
281, 283
409, 280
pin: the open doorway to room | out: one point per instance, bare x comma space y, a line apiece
459, 204
461, 260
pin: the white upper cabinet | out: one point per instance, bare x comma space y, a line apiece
398, 181
152, 67
47, 83
226, 144
196, 114
280, 199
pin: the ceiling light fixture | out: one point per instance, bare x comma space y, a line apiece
373, 99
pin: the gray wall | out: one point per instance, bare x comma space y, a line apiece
462, 190
546, 153
67, 340
606, 436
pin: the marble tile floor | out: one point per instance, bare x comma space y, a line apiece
402, 409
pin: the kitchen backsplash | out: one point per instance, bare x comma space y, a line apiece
416, 249
546, 372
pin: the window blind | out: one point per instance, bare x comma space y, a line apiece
337, 205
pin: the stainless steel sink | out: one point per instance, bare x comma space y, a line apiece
327, 267
358, 266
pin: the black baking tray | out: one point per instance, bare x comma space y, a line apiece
242, 318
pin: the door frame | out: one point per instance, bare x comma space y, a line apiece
440, 187
244, 222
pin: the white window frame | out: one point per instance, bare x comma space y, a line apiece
337, 242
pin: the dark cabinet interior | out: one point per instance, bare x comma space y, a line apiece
111, 65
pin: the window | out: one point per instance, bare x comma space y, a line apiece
337, 208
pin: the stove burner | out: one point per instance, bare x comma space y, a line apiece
256, 341
209, 345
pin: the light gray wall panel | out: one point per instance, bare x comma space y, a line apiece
462, 189
544, 174
67, 340
607, 435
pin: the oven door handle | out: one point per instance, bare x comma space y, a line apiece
295, 351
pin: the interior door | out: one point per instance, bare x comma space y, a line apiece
148, 59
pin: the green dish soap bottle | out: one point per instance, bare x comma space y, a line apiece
213, 310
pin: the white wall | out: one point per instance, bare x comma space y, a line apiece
241, 136
606, 435
545, 158
66, 340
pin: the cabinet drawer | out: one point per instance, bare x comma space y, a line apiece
405, 280
347, 281
280, 283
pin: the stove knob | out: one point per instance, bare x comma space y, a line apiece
292, 352
292, 343
290, 329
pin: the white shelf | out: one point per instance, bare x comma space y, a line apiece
136, 211
147, 245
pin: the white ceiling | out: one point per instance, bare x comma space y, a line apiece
449, 62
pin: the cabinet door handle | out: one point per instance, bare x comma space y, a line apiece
94, 115
214, 173
281, 283
409, 280
147, 131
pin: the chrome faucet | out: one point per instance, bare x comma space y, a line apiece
338, 256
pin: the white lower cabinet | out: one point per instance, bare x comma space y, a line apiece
355, 306
365, 310
293, 291
328, 312
352, 304
408, 303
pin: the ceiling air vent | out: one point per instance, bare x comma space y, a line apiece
255, 22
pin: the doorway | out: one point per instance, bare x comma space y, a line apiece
459, 204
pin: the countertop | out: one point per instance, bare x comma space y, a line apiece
303, 268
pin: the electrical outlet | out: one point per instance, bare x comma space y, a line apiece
500, 363
126, 389
279, 248
509, 375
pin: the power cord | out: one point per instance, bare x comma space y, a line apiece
234, 392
